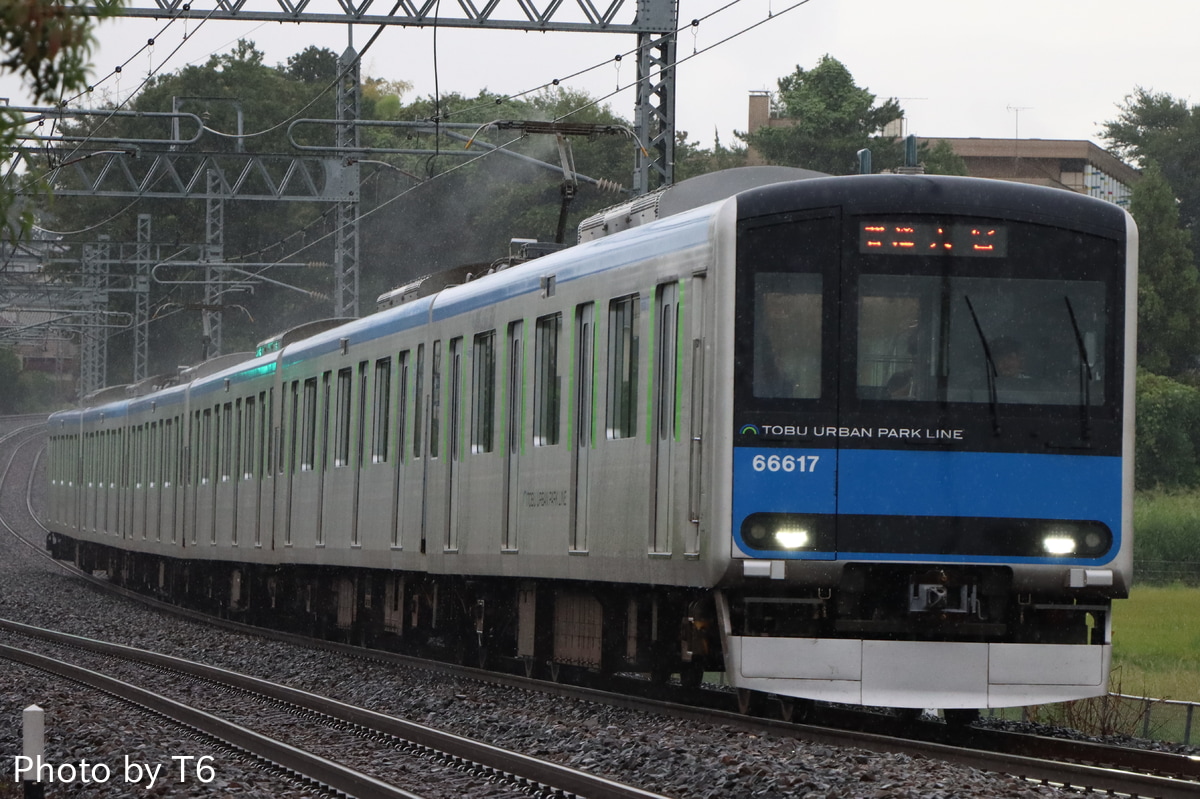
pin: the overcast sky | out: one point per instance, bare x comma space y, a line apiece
1051, 69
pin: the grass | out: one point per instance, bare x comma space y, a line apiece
1156, 642
1165, 524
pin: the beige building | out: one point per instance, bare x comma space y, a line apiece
1075, 165
1064, 164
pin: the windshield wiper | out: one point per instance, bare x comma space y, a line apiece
990, 371
1085, 376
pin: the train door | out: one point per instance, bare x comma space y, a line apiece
512, 437
695, 415
585, 335
321, 462
288, 434
453, 461
666, 340
359, 434
397, 470
423, 426
264, 467
172, 455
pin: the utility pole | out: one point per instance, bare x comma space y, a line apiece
214, 254
93, 336
345, 251
141, 300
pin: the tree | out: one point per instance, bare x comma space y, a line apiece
232, 86
312, 65
692, 160
1156, 127
1168, 284
941, 159
46, 43
831, 117
418, 214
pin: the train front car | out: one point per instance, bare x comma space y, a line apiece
931, 441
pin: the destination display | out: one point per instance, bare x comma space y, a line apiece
932, 238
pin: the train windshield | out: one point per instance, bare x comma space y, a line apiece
980, 339
787, 335
926, 309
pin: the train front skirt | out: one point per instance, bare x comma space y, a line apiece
914, 674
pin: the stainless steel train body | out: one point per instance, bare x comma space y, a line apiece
779, 435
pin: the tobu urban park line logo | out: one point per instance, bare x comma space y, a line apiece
806, 432
774, 430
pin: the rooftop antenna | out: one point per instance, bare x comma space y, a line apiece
1017, 109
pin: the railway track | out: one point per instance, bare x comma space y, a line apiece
488, 763
1050, 761
316, 771
485, 763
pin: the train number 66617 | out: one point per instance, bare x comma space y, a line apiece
786, 463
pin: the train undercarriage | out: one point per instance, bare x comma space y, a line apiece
539, 628
789, 643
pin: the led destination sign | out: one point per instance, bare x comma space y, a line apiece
931, 238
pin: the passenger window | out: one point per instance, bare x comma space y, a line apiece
621, 417
383, 398
547, 383
341, 437
308, 454
483, 385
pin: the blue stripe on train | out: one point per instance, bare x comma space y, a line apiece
922, 483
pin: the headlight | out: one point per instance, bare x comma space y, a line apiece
1079, 539
1058, 545
792, 537
788, 532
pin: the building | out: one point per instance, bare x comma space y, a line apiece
1064, 164
1079, 166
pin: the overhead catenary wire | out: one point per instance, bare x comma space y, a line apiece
291, 255
771, 16
468, 162
150, 76
618, 57
678, 61
333, 83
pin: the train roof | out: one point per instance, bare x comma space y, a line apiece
686, 226
982, 197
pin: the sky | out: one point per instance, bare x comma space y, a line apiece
1049, 69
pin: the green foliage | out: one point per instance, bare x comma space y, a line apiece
312, 65
942, 160
418, 214
1168, 432
1166, 546
1160, 129
47, 44
832, 118
24, 391
691, 159
37, 392
1156, 647
1168, 288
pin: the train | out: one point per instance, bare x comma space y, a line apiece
863, 439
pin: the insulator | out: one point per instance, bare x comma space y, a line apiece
604, 184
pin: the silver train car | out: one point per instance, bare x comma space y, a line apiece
861, 439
